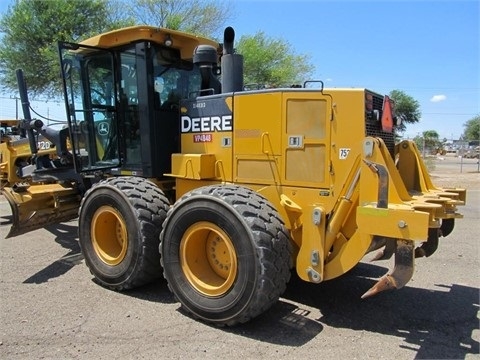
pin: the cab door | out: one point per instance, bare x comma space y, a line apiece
90, 97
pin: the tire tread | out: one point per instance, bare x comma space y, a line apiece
150, 206
272, 245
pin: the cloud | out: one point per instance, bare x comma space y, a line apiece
438, 98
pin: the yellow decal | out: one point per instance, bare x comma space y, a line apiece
372, 211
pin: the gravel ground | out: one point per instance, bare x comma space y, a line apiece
51, 309
455, 172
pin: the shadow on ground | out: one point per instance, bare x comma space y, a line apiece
66, 236
437, 324
434, 323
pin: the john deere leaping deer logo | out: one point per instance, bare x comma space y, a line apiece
103, 129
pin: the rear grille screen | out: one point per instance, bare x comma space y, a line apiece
373, 127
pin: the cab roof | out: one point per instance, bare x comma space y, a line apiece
185, 42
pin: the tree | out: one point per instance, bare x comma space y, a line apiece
407, 109
200, 17
472, 129
432, 139
429, 141
31, 29
30, 37
272, 62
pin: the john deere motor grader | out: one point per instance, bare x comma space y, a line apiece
227, 189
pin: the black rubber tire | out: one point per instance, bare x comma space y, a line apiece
141, 208
261, 245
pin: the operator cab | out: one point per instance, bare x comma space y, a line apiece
123, 104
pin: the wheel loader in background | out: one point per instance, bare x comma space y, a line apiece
222, 189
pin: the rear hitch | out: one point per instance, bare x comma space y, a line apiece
402, 271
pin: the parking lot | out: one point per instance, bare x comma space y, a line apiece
51, 308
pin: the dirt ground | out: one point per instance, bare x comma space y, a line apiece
51, 308
455, 172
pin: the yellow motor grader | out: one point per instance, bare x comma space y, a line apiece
222, 189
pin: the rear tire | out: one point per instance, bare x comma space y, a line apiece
225, 253
120, 220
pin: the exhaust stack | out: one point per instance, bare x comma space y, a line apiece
232, 64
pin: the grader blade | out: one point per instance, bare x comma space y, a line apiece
39, 206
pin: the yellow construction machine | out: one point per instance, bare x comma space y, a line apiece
224, 190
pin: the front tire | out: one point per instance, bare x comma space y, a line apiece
225, 253
120, 220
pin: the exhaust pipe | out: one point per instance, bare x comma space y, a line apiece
232, 64
402, 271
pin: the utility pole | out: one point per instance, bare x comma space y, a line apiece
16, 105
423, 146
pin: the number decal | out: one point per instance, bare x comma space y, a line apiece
343, 153
199, 105
43, 145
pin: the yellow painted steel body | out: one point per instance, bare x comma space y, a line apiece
33, 205
308, 153
15, 150
185, 42
37, 206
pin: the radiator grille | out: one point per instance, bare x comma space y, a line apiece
373, 127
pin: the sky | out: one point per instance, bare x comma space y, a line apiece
428, 49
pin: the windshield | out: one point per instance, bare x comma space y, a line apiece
173, 81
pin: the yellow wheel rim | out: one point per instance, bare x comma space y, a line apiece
208, 259
109, 235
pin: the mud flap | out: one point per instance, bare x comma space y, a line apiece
40, 206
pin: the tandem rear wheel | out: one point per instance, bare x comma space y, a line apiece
120, 220
225, 253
